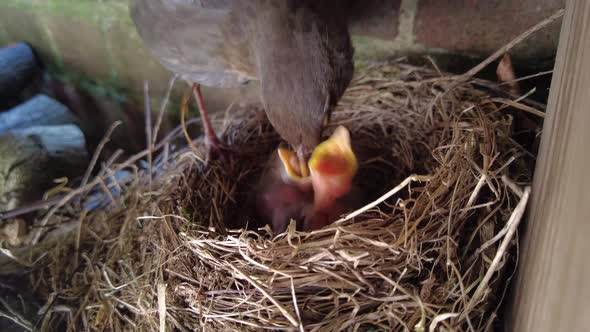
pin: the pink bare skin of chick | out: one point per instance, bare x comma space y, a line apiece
280, 197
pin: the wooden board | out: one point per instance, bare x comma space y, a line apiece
552, 289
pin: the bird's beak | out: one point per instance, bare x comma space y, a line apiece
295, 169
332, 166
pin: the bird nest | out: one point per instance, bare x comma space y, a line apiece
431, 247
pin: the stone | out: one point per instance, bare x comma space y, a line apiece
37, 111
31, 158
13, 231
18, 65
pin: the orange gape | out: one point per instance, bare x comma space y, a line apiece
332, 164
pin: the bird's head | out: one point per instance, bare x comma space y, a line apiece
304, 63
329, 171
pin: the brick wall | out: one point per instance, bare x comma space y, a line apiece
97, 40
469, 27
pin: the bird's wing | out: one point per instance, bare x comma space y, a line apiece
187, 36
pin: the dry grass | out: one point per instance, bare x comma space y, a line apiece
431, 254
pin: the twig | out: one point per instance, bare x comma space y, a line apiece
408, 180
499, 53
163, 108
524, 78
162, 305
148, 131
512, 226
16, 316
83, 189
79, 235
106, 165
45, 204
513, 186
17, 320
105, 139
85, 179
496, 88
254, 283
519, 106
184, 110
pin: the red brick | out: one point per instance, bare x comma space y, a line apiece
482, 26
376, 18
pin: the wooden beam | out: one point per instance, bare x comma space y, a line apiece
552, 289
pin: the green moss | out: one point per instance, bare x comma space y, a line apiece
102, 14
3, 36
92, 10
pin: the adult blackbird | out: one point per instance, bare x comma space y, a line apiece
299, 50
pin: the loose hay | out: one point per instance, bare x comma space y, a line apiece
431, 255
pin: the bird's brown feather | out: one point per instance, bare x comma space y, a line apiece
299, 50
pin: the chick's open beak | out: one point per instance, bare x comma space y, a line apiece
330, 169
295, 169
332, 166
